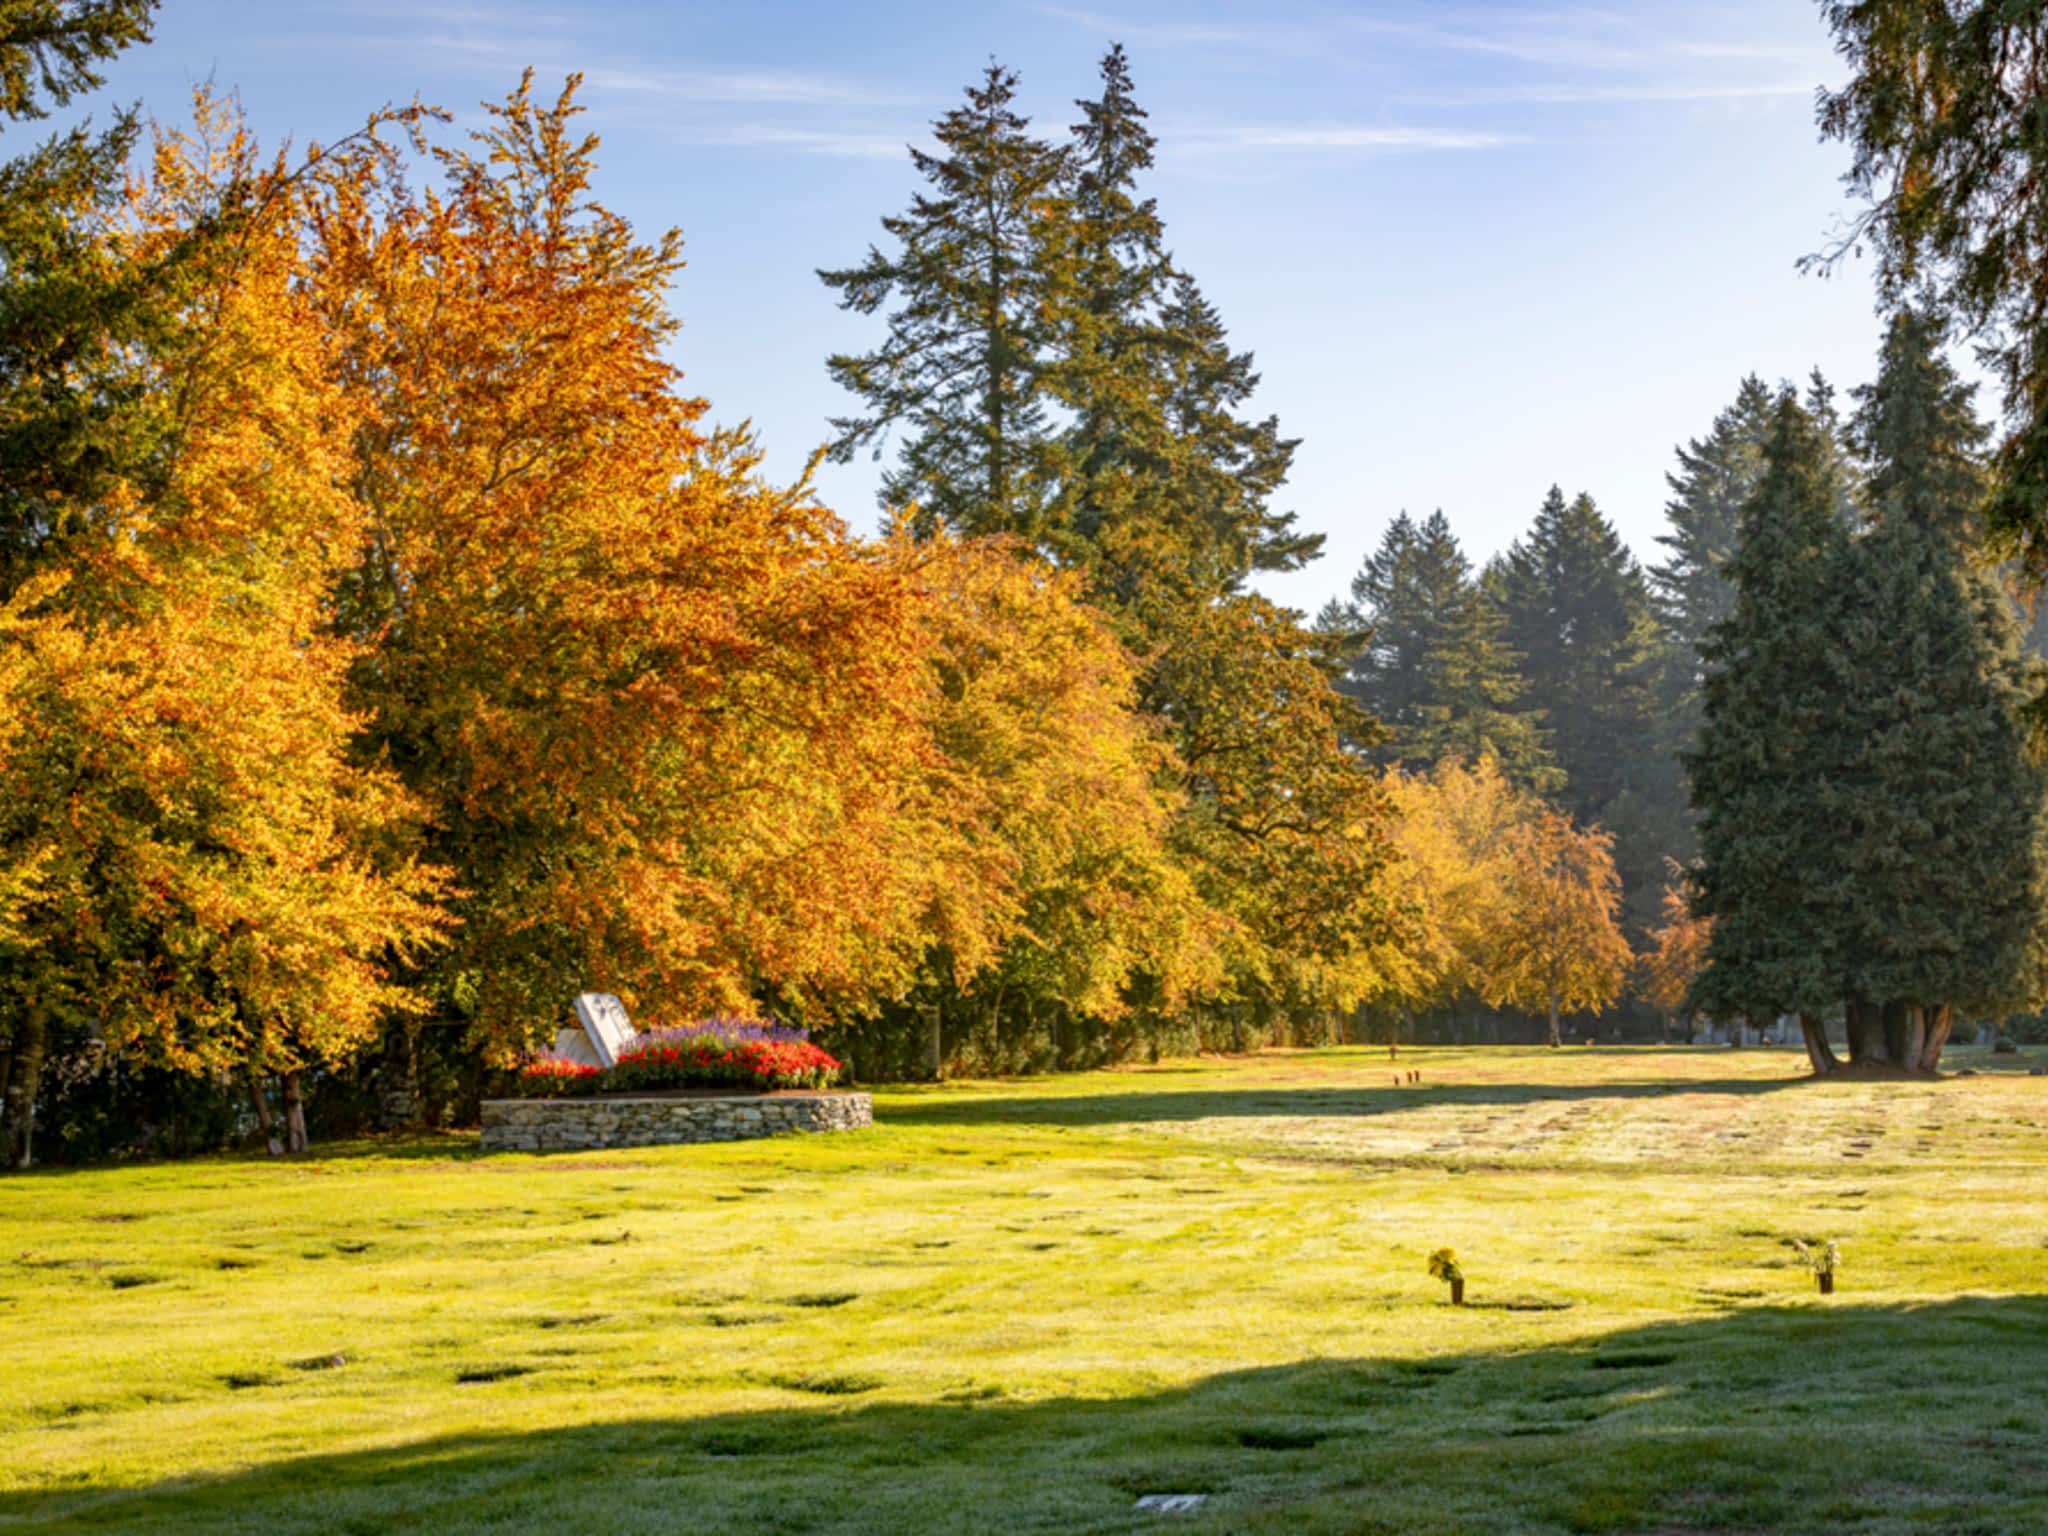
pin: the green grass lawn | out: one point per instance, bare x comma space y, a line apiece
1019, 1306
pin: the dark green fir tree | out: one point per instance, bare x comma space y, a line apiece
1434, 668
1935, 802
1577, 611
1769, 866
970, 292
1715, 476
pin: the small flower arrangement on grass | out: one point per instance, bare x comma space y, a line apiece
758, 1054
1443, 1265
1823, 1259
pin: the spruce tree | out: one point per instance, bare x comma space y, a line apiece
1769, 866
1434, 669
1937, 805
1111, 348
1227, 466
1577, 611
1715, 476
964, 371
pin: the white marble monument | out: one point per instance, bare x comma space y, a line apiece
602, 1031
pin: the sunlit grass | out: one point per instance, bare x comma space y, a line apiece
1018, 1306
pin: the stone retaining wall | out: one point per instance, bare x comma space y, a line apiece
582, 1124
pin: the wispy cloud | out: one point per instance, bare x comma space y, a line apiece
767, 86
1583, 54
808, 141
800, 112
1336, 136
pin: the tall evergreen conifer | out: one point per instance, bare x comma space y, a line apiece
1715, 476
1435, 669
1577, 611
1769, 867
964, 371
1937, 806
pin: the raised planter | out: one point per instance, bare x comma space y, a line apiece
582, 1124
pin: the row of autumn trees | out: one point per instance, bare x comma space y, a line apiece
391, 649
389, 646
1051, 375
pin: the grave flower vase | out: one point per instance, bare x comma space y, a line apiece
1827, 1284
1458, 1292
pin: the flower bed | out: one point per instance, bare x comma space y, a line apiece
716, 1053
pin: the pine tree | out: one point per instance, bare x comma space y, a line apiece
1111, 364
964, 372
1227, 467
1715, 476
1768, 867
1577, 611
1435, 670
1937, 807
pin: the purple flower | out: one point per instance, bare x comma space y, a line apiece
728, 1029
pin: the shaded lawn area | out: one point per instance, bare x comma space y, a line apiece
1018, 1307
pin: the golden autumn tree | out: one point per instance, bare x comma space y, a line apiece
663, 713
1557, 944
1453, 829
1045, 814
211, 879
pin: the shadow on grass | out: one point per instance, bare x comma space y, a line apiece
1798, 1419
1219, 1103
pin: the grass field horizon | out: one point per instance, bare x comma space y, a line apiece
1020, 1305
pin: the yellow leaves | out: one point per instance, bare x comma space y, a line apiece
1042, 811
1558, 944
1515, 902
215, 874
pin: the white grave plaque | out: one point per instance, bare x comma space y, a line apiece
605, 1027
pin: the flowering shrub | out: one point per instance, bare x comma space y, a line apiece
747, 1053
549, 1078
702, 1059
729, 1027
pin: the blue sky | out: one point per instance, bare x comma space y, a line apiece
1477, 248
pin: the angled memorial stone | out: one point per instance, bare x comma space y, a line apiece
603, 1031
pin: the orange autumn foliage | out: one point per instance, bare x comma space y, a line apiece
663, 713
1678, 949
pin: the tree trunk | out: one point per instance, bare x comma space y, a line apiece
1894, 1031
934, 1061
1818, 1050
1866, 1034
294, 1114
264, 1119
1555, 1037
24, 1079
1938, 1030
398, 1097
1915, 1040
